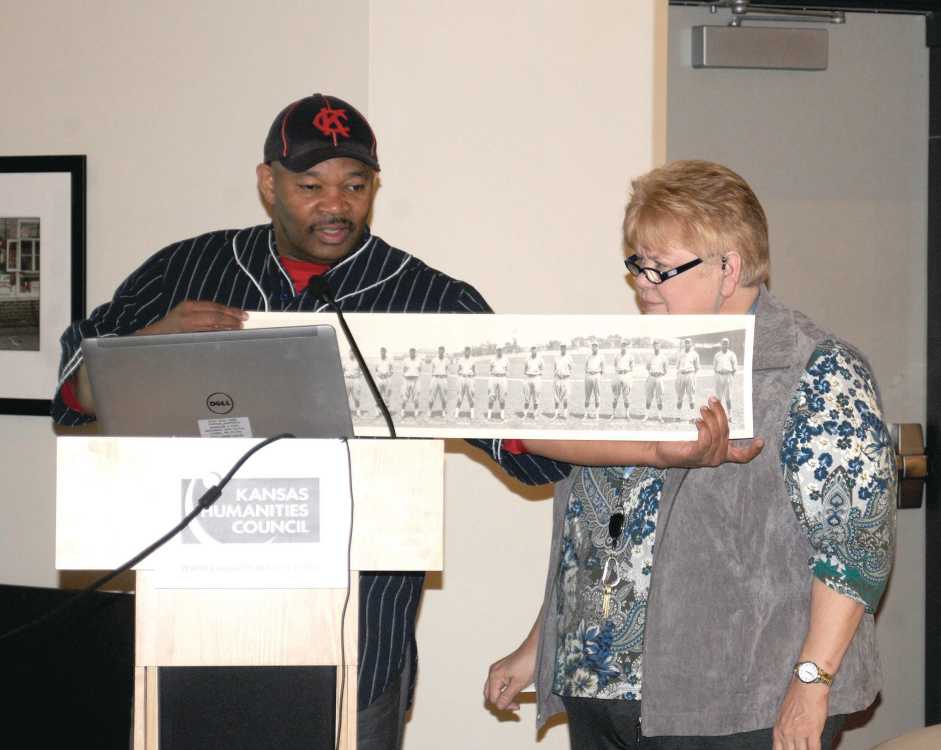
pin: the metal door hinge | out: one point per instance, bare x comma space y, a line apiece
912, 463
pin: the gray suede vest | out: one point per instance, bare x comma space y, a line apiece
729, 598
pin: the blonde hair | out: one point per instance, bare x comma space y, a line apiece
708, 207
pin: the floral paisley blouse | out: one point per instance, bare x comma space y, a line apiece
838, 463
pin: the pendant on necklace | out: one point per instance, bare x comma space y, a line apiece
615, 526
610, 578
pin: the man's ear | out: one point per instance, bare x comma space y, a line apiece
265, 175
731, 274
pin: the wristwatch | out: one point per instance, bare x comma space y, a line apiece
809, 673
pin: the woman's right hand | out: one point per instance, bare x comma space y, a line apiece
515, 671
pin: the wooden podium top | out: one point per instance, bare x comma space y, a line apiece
117, 495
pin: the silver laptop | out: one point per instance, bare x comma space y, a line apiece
254, 383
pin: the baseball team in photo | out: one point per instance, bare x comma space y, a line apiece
588, 381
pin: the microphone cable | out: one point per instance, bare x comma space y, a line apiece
205, 501
346, 601
319, 287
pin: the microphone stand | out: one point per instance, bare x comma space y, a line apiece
321, 290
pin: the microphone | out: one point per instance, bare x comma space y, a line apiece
320, 288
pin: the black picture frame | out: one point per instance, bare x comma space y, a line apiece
75, 165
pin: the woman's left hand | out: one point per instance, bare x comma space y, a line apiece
802, 717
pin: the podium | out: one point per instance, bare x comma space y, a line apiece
115, 496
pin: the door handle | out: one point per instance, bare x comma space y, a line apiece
911, 462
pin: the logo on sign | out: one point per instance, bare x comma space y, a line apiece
220, 403
255, 511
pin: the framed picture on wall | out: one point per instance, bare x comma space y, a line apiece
42, 273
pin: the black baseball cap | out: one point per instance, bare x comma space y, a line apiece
317, 128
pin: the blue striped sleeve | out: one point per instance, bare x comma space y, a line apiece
121, 316
525, 467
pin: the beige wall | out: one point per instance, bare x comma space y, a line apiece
507, 133
839, 160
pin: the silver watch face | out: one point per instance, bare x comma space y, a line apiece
807, 671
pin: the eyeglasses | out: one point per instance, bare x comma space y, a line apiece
658, 277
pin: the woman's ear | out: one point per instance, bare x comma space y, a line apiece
731, 274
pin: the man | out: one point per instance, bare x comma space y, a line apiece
411, 372
439, 383
656, 369
384, 378
724, 364
564, 367
757, 630
533, 373
466, 371
594, 369
687, 365
318, 179
621, 388
499, 367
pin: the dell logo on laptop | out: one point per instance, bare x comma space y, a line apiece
220, 403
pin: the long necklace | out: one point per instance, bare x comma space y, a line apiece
610, 573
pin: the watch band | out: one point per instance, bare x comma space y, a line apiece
810, 673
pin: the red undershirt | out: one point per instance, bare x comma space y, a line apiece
300, 272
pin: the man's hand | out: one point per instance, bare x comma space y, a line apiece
712, 446
802, 717
511, 674
195, 315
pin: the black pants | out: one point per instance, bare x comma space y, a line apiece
381, 725
596, 724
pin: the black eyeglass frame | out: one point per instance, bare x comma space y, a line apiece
653, 275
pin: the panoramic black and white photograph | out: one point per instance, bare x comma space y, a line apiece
581, 377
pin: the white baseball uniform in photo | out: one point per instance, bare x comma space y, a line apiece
439, 367
354, 381
564, 367
384, 377
498, 370
533, 371
439, 378
623, 367
725, 364
466, 370
351, 369
687, 365
656, 369
411, 369
384, 369
594, 369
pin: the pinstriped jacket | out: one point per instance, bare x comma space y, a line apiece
241, 268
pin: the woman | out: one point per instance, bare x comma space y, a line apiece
680, 610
